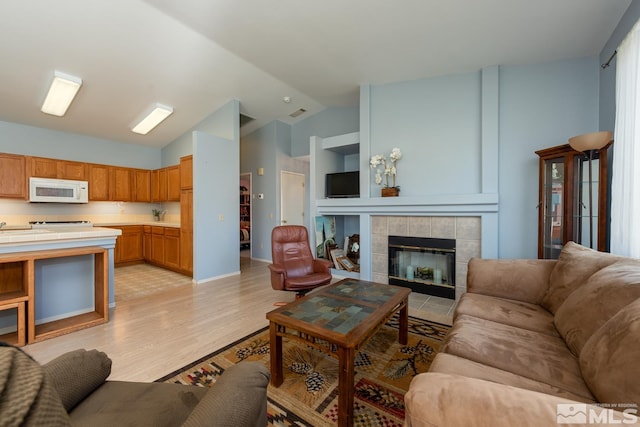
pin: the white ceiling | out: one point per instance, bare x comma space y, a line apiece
196, 55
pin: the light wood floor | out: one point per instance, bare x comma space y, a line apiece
152, 335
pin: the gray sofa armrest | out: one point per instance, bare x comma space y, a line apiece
237, 399
77, 374
436, 399
524, 280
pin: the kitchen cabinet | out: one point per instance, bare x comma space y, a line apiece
55, 168
161, 246
172, 248
146, 242
173, 183
563, 209
12, 173
186, 172
141, 185
129, 245
42, 167
159, 185
120, 184
157, 245
98, 182
186, 231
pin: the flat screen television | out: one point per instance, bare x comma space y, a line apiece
342, 184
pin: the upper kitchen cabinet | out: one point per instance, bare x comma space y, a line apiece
186, 172
165, 184
173, 183
54, 168
98, 182
12, 173
141, 185
120, 184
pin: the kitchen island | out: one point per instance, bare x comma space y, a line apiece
62, 278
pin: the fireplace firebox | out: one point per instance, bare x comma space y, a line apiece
425, 265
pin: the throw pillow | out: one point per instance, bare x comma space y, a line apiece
599, 299
575, 265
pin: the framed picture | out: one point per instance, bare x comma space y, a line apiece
335, 253
346, 263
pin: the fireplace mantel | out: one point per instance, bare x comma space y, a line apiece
446, 204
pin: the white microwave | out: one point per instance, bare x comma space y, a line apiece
58, 190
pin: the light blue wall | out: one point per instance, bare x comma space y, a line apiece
223, 123
540, 106
33, 141
436, 124
329, 122
216, 185
216, 211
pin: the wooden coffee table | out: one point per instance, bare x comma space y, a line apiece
338, 320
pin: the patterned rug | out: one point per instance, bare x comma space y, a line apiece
309, 395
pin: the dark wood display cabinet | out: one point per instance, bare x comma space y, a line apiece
564, 212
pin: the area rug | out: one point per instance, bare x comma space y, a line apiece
309, 395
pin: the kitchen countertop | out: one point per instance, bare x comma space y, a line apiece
12, 235
124, 223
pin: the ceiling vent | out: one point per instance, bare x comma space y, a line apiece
244, 119
298, 112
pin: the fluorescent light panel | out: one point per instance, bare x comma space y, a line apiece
61, 93
153, 119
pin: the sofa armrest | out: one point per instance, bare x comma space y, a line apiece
436, 399
524, 280
77, 374
237, 399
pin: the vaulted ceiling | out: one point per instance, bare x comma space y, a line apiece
196, 55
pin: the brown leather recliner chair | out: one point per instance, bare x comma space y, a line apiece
294, 268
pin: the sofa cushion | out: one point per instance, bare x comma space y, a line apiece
449, 364
592, 304
509, 312
94, 365
530, 354
610, 358
121, 403
575, 265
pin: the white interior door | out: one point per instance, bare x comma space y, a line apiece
291, 198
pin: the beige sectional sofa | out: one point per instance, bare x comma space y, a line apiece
531, 334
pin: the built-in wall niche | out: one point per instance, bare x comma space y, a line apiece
339, 235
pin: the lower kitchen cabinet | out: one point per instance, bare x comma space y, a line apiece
129, 245
172, 248
156, 245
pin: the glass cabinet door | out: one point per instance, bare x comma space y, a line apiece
553, 207
585, 210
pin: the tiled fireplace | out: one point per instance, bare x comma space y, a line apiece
464, 230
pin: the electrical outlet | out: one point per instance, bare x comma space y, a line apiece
220, 217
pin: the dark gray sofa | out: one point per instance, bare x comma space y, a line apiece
73, 390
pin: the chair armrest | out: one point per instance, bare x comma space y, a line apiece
76, 374
278, 276
238, 398
322, 265
436, 399
524, 280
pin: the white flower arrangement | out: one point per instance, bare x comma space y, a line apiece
379, 162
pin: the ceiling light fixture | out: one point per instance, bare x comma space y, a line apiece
61, 93
153, 119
